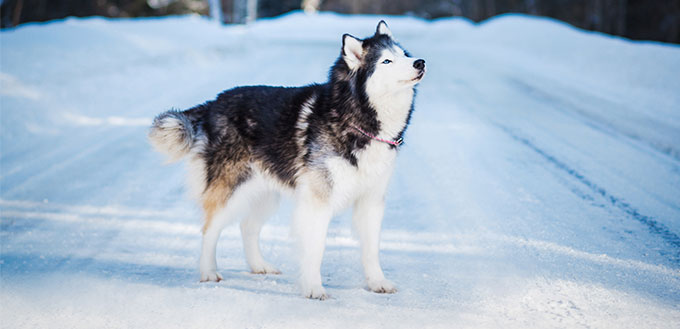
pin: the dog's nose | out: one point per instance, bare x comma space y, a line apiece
419, 64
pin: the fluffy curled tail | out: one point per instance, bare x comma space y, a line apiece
172, 134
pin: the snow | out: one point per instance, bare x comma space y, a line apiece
539, 185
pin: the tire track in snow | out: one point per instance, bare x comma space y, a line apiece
156, 238
653, 225
586, 112
591, 118
63, 159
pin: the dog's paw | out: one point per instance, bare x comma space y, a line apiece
211, 276
383, 286
264, 268
315, 292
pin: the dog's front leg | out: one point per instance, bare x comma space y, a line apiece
367, 219
310, 226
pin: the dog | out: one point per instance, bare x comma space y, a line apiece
330, 146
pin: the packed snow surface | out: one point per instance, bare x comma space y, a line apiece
539, 186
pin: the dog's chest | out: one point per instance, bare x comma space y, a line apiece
370, 175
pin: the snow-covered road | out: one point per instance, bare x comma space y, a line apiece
539, 186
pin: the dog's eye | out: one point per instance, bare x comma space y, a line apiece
387, 61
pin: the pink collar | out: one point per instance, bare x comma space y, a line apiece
395, 143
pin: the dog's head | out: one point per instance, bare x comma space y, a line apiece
378, 65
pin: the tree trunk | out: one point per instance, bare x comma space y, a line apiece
216, 10
251, 11
16, 17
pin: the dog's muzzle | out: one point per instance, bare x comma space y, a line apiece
419, 65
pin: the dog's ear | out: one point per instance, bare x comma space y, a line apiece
352, 51
383, 29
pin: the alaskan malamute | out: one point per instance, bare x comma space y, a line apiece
330, 146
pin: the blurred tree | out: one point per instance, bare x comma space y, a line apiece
14, 12
271, 8
216, 10
243, 11
636, 19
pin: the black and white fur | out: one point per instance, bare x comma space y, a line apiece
253, 143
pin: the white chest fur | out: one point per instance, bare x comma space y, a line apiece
371, 175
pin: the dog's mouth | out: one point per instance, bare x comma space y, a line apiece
420, 75
417, 78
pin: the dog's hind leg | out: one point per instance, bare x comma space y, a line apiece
262, 208
216, 218
221, 207
208, 258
